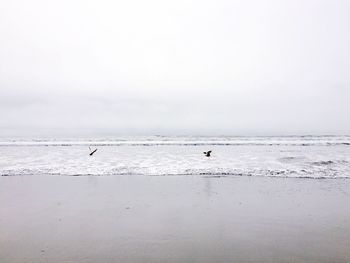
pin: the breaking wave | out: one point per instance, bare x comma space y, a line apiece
326, 157
208, 174
186, 141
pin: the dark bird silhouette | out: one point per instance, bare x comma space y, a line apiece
207, 153
92, 152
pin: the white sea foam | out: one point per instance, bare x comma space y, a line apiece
300, 157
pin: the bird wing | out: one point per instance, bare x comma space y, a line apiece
93, 152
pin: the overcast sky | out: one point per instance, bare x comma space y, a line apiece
175, 67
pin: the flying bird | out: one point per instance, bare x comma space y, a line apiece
92, 152
207, 153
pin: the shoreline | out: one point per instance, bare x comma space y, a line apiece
173, 219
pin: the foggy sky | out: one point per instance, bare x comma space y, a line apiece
247, 67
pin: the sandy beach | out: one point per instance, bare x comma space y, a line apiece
173, 219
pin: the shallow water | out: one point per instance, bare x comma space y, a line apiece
300, 157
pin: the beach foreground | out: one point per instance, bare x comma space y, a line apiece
173, 219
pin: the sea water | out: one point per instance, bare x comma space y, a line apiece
274, 156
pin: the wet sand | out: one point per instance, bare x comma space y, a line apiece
173, 219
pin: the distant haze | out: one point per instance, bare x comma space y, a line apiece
175, 67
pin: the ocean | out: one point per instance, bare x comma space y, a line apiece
315, 157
